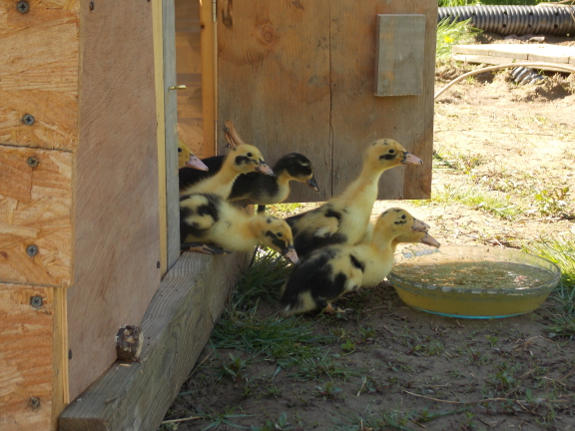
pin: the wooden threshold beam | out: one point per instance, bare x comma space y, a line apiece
176, 327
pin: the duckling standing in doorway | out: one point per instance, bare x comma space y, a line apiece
242, 159
187, 160
330, 272
344, 218
210, 224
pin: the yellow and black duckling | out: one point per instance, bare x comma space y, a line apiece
242, 159
332, 271
344, 218
210, 224
187, 160
260, 189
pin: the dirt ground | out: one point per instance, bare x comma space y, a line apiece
404, 369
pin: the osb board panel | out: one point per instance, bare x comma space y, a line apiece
291, 78
26, 358
35, 209
116, 244
188, 73
274, 81
39, 73
358, 117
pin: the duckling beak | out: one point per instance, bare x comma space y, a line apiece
311, 182
429, 240
290, 254
265, 169
419, 226
196, 163
410, 159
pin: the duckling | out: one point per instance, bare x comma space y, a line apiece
208, 219
344, 218
188, 177
331, 271
264, 190
241, 159
411, 237
260, 189
187, 159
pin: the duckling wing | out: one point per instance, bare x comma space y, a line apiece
260, 189
189, 176
323, 278
316, 229
198, 214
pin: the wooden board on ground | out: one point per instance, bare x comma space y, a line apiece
116, 247
176, 327
301, 77
508, 53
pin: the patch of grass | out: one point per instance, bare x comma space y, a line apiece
500, 206
449, 34
562, 253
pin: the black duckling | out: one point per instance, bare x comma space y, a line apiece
243, 158
208, 219
331, 271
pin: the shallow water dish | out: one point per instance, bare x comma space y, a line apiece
473, 282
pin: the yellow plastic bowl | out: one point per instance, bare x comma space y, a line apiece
472, 281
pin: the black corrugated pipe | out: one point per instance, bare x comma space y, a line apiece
519, 20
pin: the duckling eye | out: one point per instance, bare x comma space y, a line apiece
179, 150
279, 234
249, 154
391, 151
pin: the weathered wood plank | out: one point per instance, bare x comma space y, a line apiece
188, 69
35, 210
358, 117
274, 81
400, 48
208, 48
505, 53
488, 59
176, 327
171, 130
40, 77
26, 358
116, 241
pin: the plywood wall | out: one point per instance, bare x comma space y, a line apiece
26, 357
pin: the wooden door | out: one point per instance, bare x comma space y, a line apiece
299, 75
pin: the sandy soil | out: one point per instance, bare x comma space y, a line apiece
512, 146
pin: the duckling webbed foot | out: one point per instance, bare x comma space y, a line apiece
330, 309
202, 248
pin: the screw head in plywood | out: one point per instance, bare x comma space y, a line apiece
32, 250
33, 162
36, 301
23, 6
34, 403
28, 119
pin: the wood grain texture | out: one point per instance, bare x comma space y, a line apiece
358, 117
274, 81
35, 209
189, 73
40, 76
208, 41
26, 358
171, 130
177, 325
399, 55
299, 76
116, 244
